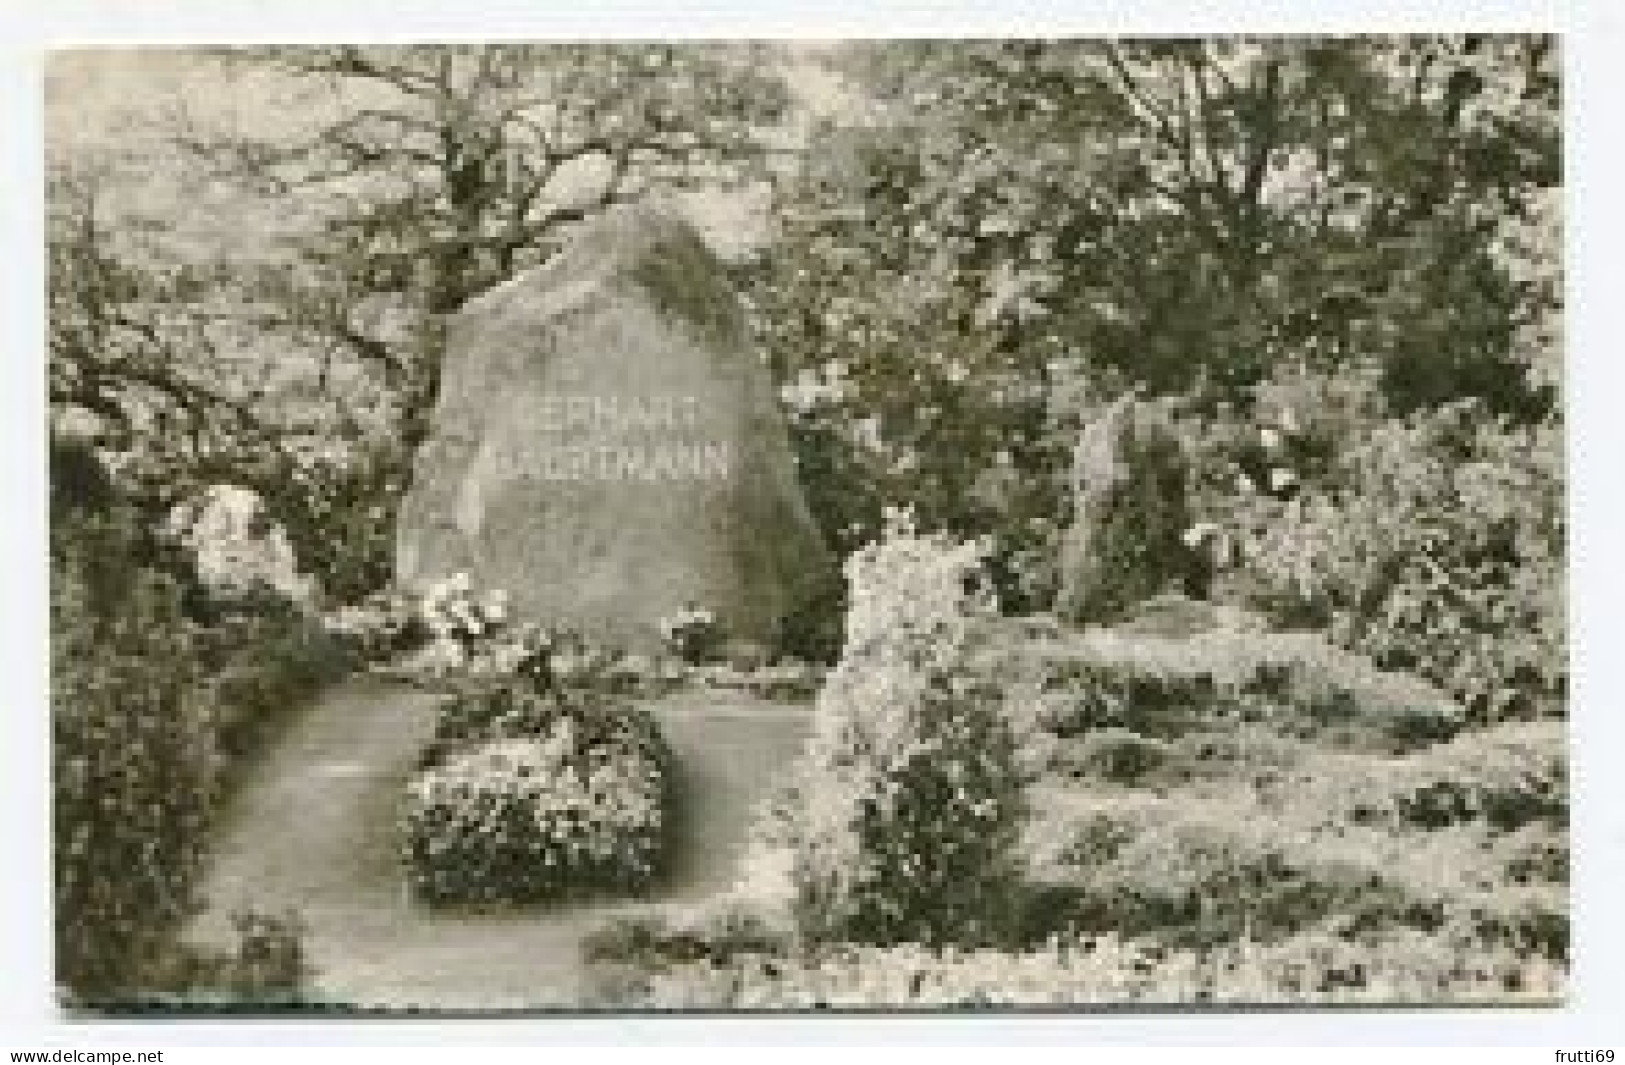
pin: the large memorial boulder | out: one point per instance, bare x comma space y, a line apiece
607, 447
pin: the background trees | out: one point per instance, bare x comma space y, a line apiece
976, 247
1030, 226
309, 232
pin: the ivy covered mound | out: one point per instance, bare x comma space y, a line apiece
525, 797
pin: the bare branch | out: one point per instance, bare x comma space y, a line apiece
1262, 135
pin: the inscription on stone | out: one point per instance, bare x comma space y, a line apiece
623, 438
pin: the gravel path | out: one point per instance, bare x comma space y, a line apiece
313, 828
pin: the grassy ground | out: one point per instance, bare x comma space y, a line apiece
314, 829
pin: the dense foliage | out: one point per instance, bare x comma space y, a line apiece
1105, 971
1100, 971
911, 795
1434, 543
151, 711
1164, 688
133, 780
527, 797
1018, 230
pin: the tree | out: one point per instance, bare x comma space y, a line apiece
324, 213
443, 169
1032, 226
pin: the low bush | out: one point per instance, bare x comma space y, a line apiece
1507, 777
1196, 883
267, 667
1296, 683
514, 710
266, 968
1434, 543
1502, 777
381, 627
1210, 864
1114, 754
718, 934
1533, 854
1318, 967
527, 797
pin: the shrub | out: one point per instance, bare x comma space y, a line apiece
1169, 871
1506, 776
441, 622
1127, 541
716, 933
267, 967
134, 777
1277, 840
1296, 683
911, 795
526, 797
812, 631
693, 634
444, 633
270, 962
150, 712
1433, 543
1209, 867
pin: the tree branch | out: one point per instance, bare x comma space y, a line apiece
1262, 142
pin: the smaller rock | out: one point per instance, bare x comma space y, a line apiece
239, 550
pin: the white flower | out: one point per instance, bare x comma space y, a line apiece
495, 605
1199, 532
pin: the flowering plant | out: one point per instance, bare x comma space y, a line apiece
236, 546
528, 796
693, 634
381, 626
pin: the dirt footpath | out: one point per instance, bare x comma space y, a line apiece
314, 828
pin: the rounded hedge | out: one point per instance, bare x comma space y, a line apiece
526, 798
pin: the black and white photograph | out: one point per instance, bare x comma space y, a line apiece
1064, 523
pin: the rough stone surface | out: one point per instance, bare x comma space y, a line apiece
1125, 543
607, 447
238, 546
